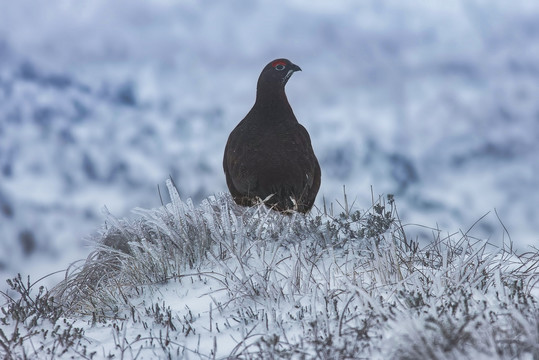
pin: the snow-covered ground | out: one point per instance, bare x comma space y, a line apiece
220, 281
435, 102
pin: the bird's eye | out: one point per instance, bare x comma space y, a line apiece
279, 67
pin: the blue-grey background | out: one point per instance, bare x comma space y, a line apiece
100, 101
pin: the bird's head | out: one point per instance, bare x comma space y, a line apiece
277, 73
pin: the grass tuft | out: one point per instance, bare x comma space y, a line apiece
218, 280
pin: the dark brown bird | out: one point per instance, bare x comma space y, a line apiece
269, 156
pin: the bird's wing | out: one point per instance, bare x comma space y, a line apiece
239, 183
311, 168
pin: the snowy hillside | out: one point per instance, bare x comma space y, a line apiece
219, 281
101, 101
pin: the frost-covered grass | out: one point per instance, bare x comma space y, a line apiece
218, 280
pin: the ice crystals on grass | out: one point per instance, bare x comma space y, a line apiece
329, 285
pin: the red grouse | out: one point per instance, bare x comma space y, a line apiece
269, 156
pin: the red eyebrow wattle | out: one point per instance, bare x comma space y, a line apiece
278, 62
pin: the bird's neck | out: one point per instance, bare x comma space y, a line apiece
272, 101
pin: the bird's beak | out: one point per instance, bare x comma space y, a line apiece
293, 69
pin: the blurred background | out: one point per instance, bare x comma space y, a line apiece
435, 102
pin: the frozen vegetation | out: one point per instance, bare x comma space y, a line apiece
218, 281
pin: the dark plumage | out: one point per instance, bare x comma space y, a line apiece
269, 156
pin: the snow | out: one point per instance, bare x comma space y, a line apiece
196, 303
100, 102
223, 281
